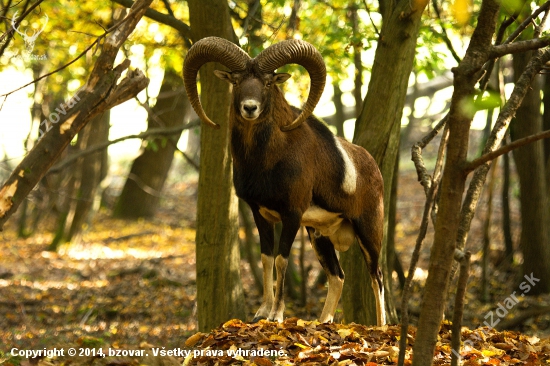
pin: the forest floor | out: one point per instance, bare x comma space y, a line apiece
131, 286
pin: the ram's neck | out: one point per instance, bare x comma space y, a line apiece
281, 112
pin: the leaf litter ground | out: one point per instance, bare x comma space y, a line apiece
131, 286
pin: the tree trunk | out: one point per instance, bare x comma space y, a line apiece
140, 196
546, 121
394, 264
92, 170
219, 288
506, 221
357, 47
450, 216
379, 134
530, 165
339, 106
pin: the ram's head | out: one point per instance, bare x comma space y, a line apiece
253, 78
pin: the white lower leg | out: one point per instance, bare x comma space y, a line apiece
380, 305
278, 308
335, 285
267, 303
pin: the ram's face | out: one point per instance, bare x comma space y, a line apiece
251, 93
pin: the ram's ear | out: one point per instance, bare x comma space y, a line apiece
224, 75
281, 78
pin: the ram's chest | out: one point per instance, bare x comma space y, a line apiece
267, 187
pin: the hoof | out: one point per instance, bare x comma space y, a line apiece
257, 319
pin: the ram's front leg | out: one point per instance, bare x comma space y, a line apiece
267, 242
291, 224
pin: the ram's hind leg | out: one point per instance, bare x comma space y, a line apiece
327, 256
369, 233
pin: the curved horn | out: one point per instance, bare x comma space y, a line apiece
302, 53
210, 49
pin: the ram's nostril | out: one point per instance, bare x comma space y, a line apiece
250, 108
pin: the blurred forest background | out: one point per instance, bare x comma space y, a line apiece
105, 245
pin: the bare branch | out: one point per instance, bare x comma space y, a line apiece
517, 47
443, 33
416, 155
497, 134
488, 68
370, 17
97, 41
527, 22
252, 10
152, 132
504, 149
165, 19
539, 28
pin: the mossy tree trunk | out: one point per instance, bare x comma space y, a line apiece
377, 130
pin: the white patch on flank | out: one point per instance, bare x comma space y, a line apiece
350, 174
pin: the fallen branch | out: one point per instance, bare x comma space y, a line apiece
522, 317
126, 237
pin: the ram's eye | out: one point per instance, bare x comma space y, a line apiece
268, 85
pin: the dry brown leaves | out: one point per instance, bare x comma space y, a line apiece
299, 342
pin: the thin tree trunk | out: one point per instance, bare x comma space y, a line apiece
487, 235
358, 79
393, 259
506, 222
546, 120
93, 169
339, 106
219, 288
530, 165
141, 194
